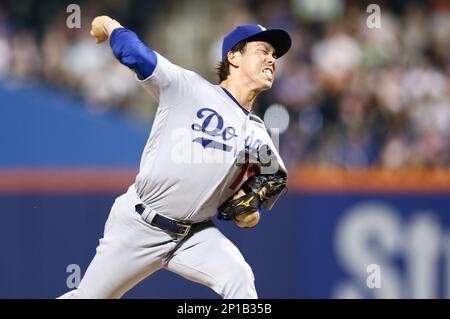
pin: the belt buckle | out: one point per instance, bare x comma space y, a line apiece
186, 230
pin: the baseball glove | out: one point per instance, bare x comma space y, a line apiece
257, 190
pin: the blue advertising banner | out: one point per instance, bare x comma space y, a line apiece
309, 246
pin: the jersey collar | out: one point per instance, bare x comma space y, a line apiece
235, 101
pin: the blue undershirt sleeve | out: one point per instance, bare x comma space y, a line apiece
131, 52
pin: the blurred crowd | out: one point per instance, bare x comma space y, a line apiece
355, 96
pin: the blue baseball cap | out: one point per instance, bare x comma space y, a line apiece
279, 39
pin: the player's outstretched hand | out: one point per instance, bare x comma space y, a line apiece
102, 27
247, 220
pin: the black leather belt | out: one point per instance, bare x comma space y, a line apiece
167, 224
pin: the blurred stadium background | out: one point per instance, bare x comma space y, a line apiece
364, 116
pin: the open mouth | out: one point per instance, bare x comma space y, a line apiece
268, 72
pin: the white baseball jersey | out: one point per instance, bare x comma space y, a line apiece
188, 167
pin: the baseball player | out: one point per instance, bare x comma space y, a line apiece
164, 220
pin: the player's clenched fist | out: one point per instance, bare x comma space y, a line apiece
246, 220
102, 27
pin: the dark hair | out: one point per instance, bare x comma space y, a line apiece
223, 69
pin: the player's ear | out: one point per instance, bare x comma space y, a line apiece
234, 58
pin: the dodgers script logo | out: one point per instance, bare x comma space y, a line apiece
213, 125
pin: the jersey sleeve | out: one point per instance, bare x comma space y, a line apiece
167, 82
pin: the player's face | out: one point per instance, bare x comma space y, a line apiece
258, 64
